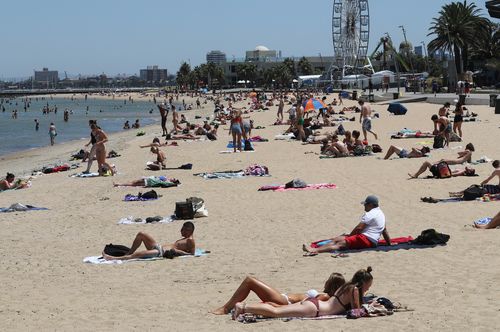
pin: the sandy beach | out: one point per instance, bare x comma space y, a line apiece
46, 286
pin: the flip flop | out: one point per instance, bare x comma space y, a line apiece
309, 254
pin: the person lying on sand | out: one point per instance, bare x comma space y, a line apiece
181, 247
494, 223
349, 296
272, 296
490, 188
403, 153
149, 182
463, 156
8, 183
365, 235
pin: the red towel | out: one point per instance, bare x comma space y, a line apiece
396, 240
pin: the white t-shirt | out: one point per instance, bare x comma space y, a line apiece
375, 224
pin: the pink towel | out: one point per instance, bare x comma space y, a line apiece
309, 187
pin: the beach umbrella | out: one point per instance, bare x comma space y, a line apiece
313, 104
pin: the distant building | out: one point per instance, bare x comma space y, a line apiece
217, 57
46, 76
419, 50
153, 74
261, 53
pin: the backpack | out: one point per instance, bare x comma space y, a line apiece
441, 170
186, 166
188, 209
148, 195
376, 148
473, 192
296, 183
438, 142
248, 146
431, 237
116, 250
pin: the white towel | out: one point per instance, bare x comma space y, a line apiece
99, 260
130, 220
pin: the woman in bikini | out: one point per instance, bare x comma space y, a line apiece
458, 119
100, 151
236, 129
272, 296
347, 297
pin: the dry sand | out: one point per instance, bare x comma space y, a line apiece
45, 285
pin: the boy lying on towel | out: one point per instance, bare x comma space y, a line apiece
182, 247
365, 235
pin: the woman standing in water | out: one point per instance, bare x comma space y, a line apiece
52, 133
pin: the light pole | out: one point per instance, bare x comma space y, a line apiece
409, 57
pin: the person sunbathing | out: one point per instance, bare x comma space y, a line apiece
365, 235
150, 182
463, 156
272, 296
347, 297
182, 247
494, 223
403, 153
9, 183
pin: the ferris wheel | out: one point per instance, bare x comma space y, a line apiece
350, 31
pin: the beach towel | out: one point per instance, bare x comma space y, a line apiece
222, 175
258, 139
99, 260
130, 220
251, 318
84, 175
308, 187
16, 207
483, 221
397, 240
284, 137
231, 151
135, 198
231, 146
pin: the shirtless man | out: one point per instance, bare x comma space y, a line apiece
403, 153
491, 188
442, 126
163, 113
182, 247
443, 111
365, 119
463, 156
160, 159
8, 182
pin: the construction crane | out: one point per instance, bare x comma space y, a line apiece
388, 47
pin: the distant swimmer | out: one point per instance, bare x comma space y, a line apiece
52, 133
37, 125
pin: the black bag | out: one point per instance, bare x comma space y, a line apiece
248, 146
211, 137
296, 183
184, 210
431, 237
340, 130
438, 142
376, 148
186, 166
116, 250
149, 195
473, 192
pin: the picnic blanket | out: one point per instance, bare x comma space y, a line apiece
252, 170
17, 207
99, 260
251, 318
308, 187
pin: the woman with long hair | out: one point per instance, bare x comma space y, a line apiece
100, 152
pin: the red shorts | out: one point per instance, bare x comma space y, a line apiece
358, 241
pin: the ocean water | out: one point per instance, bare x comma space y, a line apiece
20, 134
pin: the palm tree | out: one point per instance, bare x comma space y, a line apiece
457, 29
283, 76
290, 63
246, 71
183, 74
305, 67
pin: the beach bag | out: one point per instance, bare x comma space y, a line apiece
116, 250
473, 192
340, 130
376, 148
248, 146
148, 195
186, 166
296, 183
184, 210
438, 142
211, 137
431, 237
441, 170
196, 203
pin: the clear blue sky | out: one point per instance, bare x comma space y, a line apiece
122, 36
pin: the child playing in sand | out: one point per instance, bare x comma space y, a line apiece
182, 247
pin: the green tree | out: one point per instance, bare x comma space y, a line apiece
457, 29
246, 71
283, 76
305, 67
183, 75
290, 64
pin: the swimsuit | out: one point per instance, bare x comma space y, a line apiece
286, 298
367, 124
403, 153
346, 307
315, 301
160, 250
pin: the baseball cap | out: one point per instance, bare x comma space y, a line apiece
370, 200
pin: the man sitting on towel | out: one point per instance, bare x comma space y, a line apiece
365, 235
